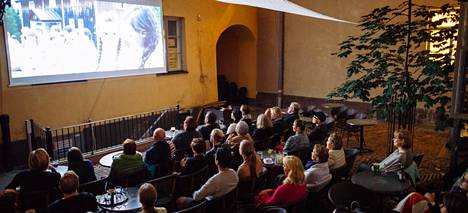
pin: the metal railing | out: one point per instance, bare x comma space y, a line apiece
93, 136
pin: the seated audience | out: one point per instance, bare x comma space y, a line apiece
263, 131
9, 201
158, 155
129, 162
183, 139
198, 161
72, 200
220, 184
83, 168
210, 124
291, 115
461, 185
252, 166
336, 153
299, 141
452, 202
246, 116
277, 120
267, 113
318, 175
37, 178
236, 116
148, 196
216, 140
291, 191
242, 130
319, 133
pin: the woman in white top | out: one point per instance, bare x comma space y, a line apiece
336, 153
318, 176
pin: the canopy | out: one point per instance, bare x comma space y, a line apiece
284, 6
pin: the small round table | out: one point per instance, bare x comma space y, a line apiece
131, 205
361, 123
106, 160
387, 184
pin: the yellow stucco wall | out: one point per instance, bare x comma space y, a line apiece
70, 103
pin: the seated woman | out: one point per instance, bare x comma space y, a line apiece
83, 168
192, 164
242, 130
129, 162
452, 202
461, 185
148, 196
291, 191
183, 139
263, 131
252, 166
318, 175
37, 178
336, 153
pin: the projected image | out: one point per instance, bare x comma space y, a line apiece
65, 38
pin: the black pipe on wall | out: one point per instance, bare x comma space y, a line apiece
6, 138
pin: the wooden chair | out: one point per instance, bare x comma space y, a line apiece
166, 188
225, 203
199, 208
187, 184
97, 187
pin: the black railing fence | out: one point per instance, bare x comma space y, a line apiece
93, 136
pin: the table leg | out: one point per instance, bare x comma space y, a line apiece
361, 142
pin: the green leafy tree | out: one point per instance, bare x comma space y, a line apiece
377, 72
13, 21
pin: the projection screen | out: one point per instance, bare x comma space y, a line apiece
49, 41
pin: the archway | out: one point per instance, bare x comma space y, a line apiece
236, 62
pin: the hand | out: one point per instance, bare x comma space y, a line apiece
183, 162
265, 191
51, 167
430, 197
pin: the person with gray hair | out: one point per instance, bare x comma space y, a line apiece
242, 130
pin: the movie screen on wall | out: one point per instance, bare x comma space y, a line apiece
52, 41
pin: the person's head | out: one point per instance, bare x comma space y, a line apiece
334, 142
74, 155
210, 118
242, 128
263, 122
159, 134
198, 146
293, 169
454, 202
320, 153
38, 160
294, 107
245, 109
247, 151
319, 117
148, 195
8, 200
276, 113
69, 182
401, 139
223, 158
298, 126
464, 182
236, 115
146, 31
129, 147
190, 124
216, 136
268, 113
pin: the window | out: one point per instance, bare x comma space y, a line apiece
174, 28
441, 46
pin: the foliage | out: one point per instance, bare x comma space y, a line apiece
13, 21
377, 71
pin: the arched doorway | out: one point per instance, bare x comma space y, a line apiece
236, 63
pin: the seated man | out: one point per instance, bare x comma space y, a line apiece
291, 115
217, 186
129, 162
299, 141
198, 161
148, 196
210, 124
319, 132
158, 156
72, 200
183, 139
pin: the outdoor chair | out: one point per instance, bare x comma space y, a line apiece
38, 200
131, 180
187, 184
199, 208
166, 188
97, 187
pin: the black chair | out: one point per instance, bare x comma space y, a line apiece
350, 155
343, 194
180, 153
187, 184
298, 207
132, 180
38, 200
224, 203
199, 208
166, 188
339, 173
417, 157
97, 187
304, 155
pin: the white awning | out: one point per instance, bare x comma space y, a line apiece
284, 6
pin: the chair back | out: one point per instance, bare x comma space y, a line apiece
224, 203
180, 153
131, 180
38, 200
299, 206
246, 190
340, 172
417, 157
350, 155
343, 194
187, 184
304, 155
166, 187
97, 187
199, 208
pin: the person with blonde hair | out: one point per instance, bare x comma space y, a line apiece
336, 153
252, 166
37, 178
291, 115
262, 132
216, 140
148, 196
291, 191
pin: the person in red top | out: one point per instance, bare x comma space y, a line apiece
291, 191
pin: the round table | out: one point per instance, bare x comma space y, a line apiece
132, 204
387, 184
361, 123
332, 105
106, 160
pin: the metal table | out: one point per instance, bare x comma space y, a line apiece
131, 205
106, 160
361, 123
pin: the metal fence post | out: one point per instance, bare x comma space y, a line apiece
48, 142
